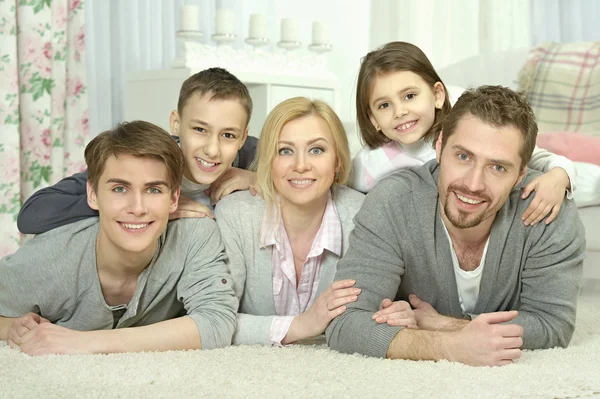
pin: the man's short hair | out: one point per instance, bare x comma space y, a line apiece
498, 106
221, 85
137, 138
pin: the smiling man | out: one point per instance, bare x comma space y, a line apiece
128, 280
448, 237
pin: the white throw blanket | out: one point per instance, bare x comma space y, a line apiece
305, 371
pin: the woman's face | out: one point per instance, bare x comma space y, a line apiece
306, 163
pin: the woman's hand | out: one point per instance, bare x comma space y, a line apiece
330, 304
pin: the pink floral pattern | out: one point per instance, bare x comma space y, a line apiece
43, 97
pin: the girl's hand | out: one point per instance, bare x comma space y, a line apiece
330, 304
398, 313
549, 196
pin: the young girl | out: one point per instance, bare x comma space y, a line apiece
401, 103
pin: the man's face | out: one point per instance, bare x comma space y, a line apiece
479, 167
134, 202
211, 133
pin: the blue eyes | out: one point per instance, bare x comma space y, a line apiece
497, 168
313, 151
123, 190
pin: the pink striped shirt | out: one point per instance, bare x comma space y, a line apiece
291, 300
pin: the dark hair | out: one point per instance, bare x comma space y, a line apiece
220, 83
498, 106
393, 57
138, 138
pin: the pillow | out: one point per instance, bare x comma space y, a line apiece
577, 147
588, 184
454, 92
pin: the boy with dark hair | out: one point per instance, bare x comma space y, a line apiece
211, 126
129, 280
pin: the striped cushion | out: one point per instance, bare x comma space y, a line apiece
562, 84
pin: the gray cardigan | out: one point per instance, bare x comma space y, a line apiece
399, 247
239, 217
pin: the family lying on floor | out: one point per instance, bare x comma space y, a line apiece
460, 251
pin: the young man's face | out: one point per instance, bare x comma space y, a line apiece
479, 167
134, 202
211, 133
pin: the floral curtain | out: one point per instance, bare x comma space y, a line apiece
43, 102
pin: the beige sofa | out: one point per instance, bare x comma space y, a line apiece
502, 68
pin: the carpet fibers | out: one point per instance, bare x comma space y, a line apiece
305, 371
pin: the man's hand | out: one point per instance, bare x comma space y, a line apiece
549, 195
188, 208
398, 313
234, 179
487, 342
48, 338
21, 326
429, 319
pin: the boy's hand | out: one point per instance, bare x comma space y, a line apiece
549, 196
234, 179
21, 326
49, 338
188, 208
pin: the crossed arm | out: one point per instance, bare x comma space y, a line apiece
36, 336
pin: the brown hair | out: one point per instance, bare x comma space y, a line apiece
394, 57
498, 106
283, 113
221, 84
137, 138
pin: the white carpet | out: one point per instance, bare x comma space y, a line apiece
305, 371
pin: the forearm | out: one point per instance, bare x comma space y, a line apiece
421, 345
298, 330
176, 334
443, 323
5, 324
253, 330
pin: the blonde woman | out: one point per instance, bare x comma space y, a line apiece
283, 247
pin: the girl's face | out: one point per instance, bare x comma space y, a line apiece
403, 105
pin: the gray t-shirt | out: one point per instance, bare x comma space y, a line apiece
54, 274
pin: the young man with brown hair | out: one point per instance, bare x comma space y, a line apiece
211, 125
448, 238
129, 280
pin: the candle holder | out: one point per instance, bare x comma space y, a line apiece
184, 36
320, 48
257, 42
289, 45
223, 38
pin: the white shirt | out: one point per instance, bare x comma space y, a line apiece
467, 282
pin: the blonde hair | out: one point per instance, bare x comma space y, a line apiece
284, 112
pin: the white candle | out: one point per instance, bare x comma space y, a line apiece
320, 33
225, 22
258, 26
289, 30
190, 17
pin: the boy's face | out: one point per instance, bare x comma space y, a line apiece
211, 134
134, 202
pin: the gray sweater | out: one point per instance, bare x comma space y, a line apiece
399, 247
239, 217
55, 275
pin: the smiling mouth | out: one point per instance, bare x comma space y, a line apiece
406, 126
135, 227
206, 164
301, 182
468, 200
